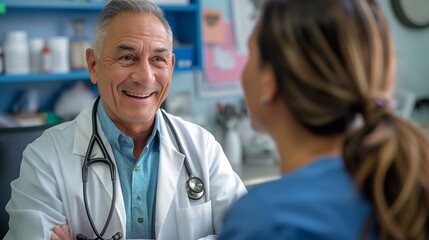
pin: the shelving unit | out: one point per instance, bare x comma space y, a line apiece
48, 19
83, 6
10, 5
78, 75
184, 21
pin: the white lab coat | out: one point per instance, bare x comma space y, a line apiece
49, 189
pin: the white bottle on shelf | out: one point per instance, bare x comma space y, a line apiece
60, 50
36, 47
46, 59
16, 53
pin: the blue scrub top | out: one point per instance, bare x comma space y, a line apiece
318, 201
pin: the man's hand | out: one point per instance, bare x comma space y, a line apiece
61, 232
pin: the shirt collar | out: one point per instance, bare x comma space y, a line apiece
113, 134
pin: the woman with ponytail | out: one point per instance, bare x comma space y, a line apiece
319, 81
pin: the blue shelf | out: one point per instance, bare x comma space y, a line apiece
53, 6
80, 6
44, 77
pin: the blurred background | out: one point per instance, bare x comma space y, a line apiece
43, 76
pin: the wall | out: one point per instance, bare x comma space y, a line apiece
412, 48
204, 107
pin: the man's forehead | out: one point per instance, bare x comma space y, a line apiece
143, 24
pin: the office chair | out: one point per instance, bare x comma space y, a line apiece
12, 142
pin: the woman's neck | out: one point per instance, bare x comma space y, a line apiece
297, 147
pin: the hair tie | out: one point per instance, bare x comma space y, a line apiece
383, 102
376, 109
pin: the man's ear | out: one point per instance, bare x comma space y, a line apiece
173, 60
268, 83
91, 62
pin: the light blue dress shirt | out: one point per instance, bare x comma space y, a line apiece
138, 177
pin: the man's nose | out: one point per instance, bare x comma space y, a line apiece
143, 72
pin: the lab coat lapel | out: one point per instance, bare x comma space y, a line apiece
170, 165
102, 173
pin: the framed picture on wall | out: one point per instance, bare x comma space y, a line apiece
225, 48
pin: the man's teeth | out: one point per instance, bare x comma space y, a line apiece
137, 95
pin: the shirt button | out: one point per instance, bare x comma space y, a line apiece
139, 196
140, 220
137, 168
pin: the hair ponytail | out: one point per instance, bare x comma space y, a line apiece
389, 160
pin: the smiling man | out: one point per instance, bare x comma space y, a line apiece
132, 68
123, 167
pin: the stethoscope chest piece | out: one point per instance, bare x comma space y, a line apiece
194, 188
194, 185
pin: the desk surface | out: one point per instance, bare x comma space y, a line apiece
256, 174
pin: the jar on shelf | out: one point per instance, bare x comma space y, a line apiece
60, 54
78, 46
16, 53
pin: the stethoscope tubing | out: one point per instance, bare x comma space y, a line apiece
95, 138
179, 144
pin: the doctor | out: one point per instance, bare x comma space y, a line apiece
173, 180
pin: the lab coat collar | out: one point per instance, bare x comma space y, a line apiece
171, 162
83, 131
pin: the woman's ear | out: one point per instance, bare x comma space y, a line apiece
268, 84
91, 62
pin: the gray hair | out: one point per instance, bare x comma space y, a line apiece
115, 7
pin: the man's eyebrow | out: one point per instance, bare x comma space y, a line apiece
125, 47
161, 50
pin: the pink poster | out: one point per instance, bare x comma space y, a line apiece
213, 27
223, 64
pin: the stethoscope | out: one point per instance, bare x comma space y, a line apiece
194, 185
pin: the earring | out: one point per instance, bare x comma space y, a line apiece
263, 100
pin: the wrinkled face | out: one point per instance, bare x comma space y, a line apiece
133, 70
251, 82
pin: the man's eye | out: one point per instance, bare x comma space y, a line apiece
127, 58
159, 59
